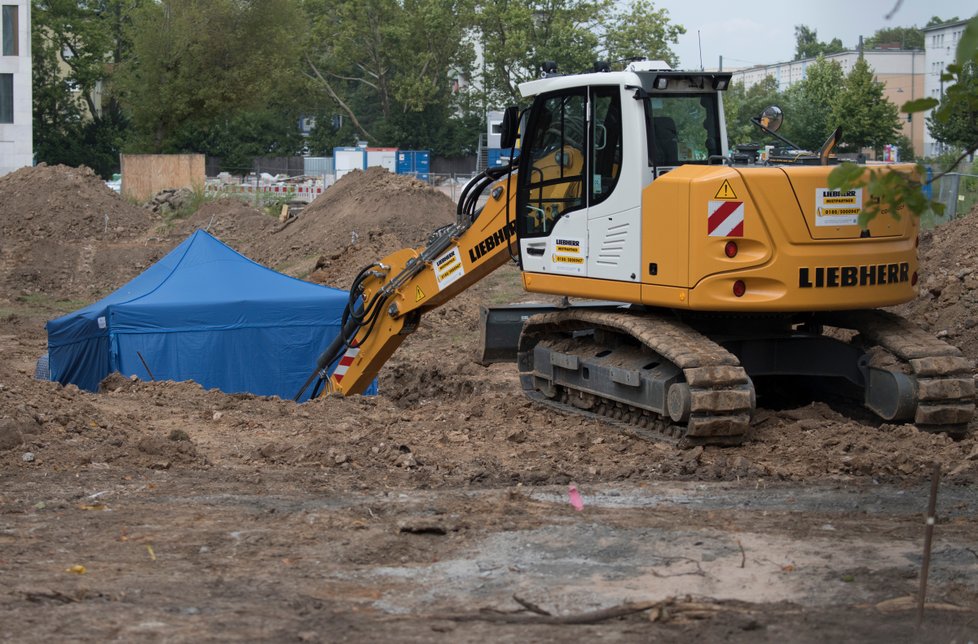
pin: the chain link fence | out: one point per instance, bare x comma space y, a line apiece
958, 191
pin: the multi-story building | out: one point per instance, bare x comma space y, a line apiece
941, 45
902, 72
16, 127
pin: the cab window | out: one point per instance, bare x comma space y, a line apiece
605, 143
682, 128
552, 177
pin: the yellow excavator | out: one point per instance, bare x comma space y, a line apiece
711, 278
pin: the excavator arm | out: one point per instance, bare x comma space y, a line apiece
389, 297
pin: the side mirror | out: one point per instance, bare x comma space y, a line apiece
509, 128
771, 118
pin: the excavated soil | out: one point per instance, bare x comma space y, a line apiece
439, 509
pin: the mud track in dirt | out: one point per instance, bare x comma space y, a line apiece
420, 514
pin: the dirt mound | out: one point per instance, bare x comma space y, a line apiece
64, 203
948, 301
65, 235
45, 425
361, 218
240, 226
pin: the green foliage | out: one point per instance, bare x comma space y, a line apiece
889, 191
400, 73
78, 118
808, 104
230, 77
905, 146
867, 118
373, 59
639, 30
937, 20
903, 37
807, 44
895, 189
239, 138
955, 121
740, 106
198, 61
519, 36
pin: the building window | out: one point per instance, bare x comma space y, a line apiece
10, 28
6, 98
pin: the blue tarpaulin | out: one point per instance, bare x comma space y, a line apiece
205, 313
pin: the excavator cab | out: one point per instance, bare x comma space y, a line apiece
590, 147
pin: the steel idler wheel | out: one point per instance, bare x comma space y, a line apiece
679, 401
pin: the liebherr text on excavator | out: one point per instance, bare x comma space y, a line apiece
726, 276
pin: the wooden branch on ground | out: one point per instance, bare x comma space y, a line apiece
663, 610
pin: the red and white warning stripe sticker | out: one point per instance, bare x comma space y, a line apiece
726, 219
346, 361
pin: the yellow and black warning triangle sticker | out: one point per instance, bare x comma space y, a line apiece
418, 294
725, 191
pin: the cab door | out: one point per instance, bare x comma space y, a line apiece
574, 218
552, 189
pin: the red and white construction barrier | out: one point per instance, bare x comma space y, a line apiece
298, 193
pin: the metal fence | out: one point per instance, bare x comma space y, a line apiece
958, 191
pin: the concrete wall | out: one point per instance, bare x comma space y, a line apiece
17, 138
144, 175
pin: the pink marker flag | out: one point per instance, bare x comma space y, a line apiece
575, 497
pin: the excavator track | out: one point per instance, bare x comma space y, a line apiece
943, 377
662, 379
650, 372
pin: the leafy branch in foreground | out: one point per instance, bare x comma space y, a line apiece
891, 192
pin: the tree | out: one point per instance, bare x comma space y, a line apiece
240, 137
193, 62
955, 121
867, 119
388, 67
937, 20
740, 105
517, 37
808, 104
807, 44
893, 190
78, 116
901, 37
641, 31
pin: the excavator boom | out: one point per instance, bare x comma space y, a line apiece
389, 297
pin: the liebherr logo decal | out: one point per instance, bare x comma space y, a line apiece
498, 238
840, 276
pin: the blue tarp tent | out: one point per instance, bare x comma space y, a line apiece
204, 313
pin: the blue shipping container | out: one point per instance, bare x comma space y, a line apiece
498, 157
414, 162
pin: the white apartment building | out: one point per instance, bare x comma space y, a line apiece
901, 71
16, 126
941, 45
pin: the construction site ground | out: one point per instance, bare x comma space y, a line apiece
440, 509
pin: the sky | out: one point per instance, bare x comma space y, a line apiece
762, 32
